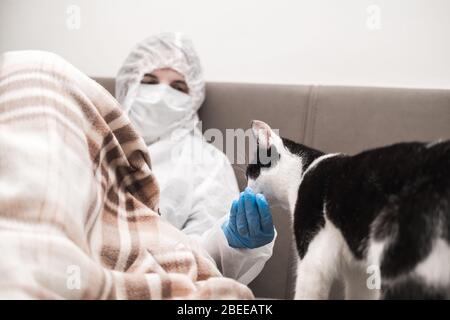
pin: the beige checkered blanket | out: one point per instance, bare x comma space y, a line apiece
78, 201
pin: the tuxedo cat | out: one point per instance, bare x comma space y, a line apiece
378, 220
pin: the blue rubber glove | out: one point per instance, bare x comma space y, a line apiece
250, 223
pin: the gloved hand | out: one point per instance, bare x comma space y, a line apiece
250, 223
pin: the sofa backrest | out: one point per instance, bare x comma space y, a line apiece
332, 119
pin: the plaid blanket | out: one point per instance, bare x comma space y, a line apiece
78, 201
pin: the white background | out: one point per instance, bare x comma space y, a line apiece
276, 41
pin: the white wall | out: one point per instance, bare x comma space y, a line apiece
268, 41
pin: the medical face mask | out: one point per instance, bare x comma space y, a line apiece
158, 109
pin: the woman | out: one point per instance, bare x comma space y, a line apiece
161, 88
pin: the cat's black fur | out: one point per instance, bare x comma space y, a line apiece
400, 192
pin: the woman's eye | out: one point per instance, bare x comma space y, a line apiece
148, 79
180, 87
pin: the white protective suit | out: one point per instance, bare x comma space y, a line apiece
196, 180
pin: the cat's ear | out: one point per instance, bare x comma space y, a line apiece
263, 134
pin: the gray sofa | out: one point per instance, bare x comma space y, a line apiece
332, 119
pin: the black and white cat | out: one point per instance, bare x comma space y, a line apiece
386, 209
